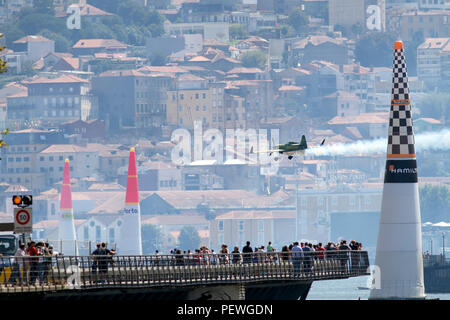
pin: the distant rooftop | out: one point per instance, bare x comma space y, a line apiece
61, 79
27, 39
99, 43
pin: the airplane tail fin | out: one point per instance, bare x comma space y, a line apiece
323, 141
251, 150
303, 142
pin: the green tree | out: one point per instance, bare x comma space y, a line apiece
2, 142
61, 43
3, 66
434, 105
298, 20
254, 59
12, 33
157, 59
375, 49
189, 238
36, 22
237, 31
411, 52
152, 238
27, 68
44, 6
434, 203
357, 29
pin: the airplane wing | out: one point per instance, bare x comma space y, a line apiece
265, 151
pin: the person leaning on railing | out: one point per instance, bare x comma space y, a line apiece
247, 253
223, 257
17, 265
343, 255
236, 259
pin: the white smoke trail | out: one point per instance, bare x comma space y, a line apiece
439, 140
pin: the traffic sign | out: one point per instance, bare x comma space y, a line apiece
23, 220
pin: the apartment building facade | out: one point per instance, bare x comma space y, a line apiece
195, 99
429, 24
319, 215
129, 99
433, 60
53, 101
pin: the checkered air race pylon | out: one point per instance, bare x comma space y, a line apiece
401, 138
398, 263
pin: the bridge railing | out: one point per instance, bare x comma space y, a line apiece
84, 272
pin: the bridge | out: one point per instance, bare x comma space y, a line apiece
257, 276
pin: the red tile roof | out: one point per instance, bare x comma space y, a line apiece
318, 40
27, 39
199, 59
291, 88
373, 117
88, 10
121, 73
245, 70
163, 69
61, 79
99, 43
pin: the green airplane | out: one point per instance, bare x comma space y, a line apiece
290, 148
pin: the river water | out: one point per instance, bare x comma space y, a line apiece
347, 289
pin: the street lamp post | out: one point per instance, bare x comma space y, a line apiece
443, 245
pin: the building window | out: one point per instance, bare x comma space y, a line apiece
352, 200
52, 210
111, 234
241, 225
260, 225
334, 200
220, 225
86, 233
98, 233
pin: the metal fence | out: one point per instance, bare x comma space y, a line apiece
435, 260
26, 274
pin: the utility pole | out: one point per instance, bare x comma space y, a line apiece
443, 245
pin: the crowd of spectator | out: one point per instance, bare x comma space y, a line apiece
32, 264
302, 255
